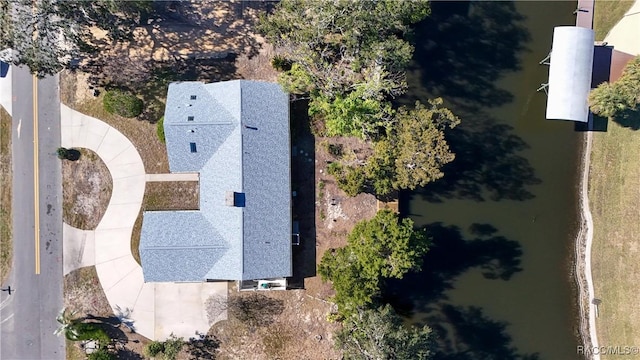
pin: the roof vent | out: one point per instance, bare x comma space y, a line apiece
233, 198
193, 97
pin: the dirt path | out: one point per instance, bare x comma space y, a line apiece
583, 257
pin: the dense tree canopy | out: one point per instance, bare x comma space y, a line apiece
613, 100
420, 144
411, 155
46, 35
378, 334
383, 247
349, 56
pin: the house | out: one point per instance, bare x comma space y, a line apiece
235, 134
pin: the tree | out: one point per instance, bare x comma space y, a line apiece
378, 334
351, 114
383, 247
380, 170
67, 324
353, 289
411, 154
75, 330
610, 100
387, 246
420, 144
349, 56
341, 43
46, 35
39, 39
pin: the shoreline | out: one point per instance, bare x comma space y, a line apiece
584, 240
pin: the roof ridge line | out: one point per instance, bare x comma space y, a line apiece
186, 247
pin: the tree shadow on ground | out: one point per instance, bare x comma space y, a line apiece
465, 333
128, 354
303, 183
629, 118
464, 48
178, 41
254, 309
203, 347
111, 325
151, 80
449, 256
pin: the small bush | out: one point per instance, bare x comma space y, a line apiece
172, 347
62, 153
123, 103
353, 182
153, 348
91, 331
160, 130
101, 354
335, 150
280, 63
334, 169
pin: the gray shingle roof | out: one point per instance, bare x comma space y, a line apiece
241, 133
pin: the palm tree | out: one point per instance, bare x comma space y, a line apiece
68, 324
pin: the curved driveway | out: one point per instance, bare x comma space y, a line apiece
158, 309
624, 36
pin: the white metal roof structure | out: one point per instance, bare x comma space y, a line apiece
570, 73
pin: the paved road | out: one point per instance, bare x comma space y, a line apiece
28, 314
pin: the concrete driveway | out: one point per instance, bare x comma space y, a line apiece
158, 309
625, 35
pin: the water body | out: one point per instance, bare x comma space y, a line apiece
498, 281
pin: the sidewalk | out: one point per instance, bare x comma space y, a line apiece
625, 35
158, 309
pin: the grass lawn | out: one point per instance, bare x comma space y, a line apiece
614, 181
6, 246
141, 133
606, 14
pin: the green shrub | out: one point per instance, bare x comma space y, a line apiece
280, 63
335, 150
334, 169
123, 103
153, 348
91, 331
101, 354
160, 130
353, 182
172, 347
62, 153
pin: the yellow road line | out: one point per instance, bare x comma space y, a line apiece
36, 193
